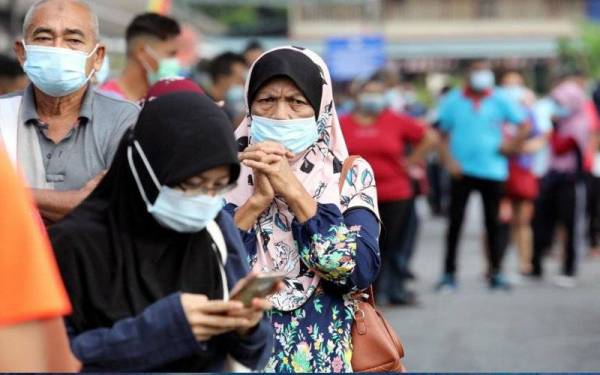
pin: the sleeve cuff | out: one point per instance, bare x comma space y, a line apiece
327, 215
182, 326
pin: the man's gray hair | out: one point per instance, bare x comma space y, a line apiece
32, 9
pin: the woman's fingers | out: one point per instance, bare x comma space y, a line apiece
257, 165
218, 306
254, 155
219, 321
243, 313
267, 150
207, 331
260, 156
271, 147
270, 159
261, 304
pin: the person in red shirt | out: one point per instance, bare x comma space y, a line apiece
380, 136
152, 47
32, 297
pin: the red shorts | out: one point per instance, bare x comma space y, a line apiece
522, 184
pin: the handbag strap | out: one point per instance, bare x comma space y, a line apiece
368, 291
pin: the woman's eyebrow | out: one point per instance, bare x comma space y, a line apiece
266, 94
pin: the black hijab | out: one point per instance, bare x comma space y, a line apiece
291, 64
114, 257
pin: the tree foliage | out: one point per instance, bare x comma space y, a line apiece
583, 52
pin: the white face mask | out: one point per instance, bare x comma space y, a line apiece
481, 80
172, 208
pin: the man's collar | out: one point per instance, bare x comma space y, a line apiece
476, 95
29, 107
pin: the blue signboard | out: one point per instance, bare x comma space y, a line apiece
351, 57
593, 10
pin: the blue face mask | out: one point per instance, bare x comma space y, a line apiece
559, 111
481, 80
169, 67
56, 71
346, 106
234, 101
102, 74
296, 135
172, 208
393, 97
372, 103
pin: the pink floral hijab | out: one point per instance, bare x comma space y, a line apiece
318, 168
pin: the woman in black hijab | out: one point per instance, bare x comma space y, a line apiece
142, 257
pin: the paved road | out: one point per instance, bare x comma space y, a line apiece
536, 327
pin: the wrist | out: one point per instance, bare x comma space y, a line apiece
293, 193
259, 203
82, 193
247, 331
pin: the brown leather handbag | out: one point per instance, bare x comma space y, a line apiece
376, 347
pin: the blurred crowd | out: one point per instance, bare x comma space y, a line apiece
532, 158
153, 180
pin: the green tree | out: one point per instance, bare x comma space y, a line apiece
582, 52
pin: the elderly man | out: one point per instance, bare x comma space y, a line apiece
60, 132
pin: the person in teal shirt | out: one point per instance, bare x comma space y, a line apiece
475, 153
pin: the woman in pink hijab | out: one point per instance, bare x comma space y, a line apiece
562, 189
295, 214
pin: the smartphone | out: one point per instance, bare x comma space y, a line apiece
260, 285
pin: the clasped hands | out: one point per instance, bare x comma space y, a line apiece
272, 172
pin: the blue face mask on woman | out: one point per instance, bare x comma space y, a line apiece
56, 71
559, 111
296, 135
172, 208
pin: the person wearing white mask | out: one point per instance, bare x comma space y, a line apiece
475, 154
60, 132
152, 47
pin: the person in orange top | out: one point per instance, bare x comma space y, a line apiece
32, 297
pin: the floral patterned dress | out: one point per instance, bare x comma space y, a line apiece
317, 336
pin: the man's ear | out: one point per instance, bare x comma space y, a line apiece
19, 51
100, 56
